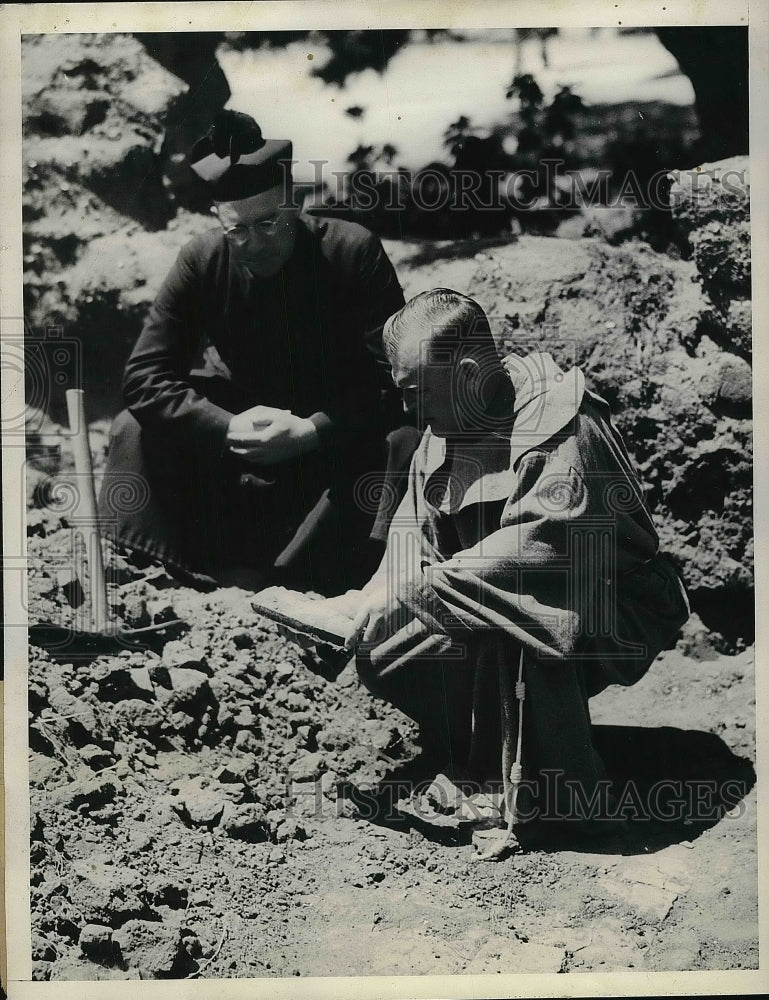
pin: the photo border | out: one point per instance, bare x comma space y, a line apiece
16, 19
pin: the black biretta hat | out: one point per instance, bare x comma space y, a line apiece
236, 162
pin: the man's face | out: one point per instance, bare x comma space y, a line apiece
261, 231
431, 383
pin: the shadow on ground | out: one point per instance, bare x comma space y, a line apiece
678, 783
667, 786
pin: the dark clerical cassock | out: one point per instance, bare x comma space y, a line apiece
219, 340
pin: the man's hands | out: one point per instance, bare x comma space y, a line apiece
375, 613
266, 435
380, 613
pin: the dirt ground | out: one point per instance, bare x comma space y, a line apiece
212, 807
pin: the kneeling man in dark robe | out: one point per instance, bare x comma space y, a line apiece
256, 393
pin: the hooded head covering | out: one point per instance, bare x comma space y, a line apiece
235, 161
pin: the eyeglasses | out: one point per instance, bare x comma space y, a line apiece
239, 235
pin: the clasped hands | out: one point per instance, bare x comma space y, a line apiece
266, 435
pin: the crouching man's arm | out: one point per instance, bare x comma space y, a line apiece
524, 578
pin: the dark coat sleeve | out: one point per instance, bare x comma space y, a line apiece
365, 399
555, 579
518, 579
383, 295
156, 385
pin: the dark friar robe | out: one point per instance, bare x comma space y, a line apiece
534, 538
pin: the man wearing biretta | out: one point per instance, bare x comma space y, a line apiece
256, 391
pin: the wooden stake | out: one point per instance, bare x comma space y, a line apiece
87, 521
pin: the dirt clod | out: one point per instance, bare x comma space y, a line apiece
158, 951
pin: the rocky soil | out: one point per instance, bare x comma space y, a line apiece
211, 807
205, 806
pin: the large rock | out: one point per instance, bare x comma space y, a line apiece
96, 943
711, 205
722, 253
106, 897
93, 111
712, 192
154, 949
728, 385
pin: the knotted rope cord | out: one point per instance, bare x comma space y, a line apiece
512, 773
